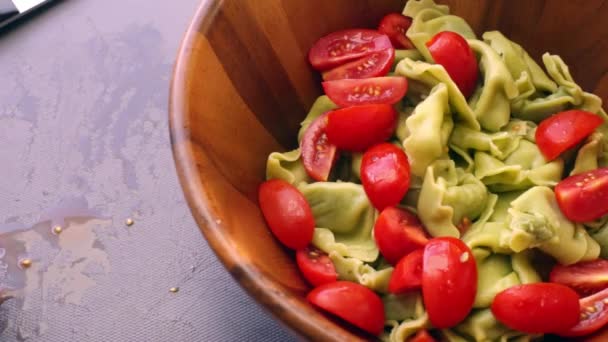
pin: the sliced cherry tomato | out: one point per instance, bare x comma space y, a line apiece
318, 154
537, 308
422, 336
592, 315
385, 175
453, 52
357, 128
395, 25
398, 232
407, 275
352, 302
377, 90
449, 281
287, 213
585, 277
372, 65
564, 130
343, 46
584, 197
316, 266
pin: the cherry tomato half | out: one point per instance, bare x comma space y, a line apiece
449, 281
422, 336
453, 52
343, 46
395, 25
377, 90
373, 65
316, 266
318, 154
584, 197
385, 175
398, 232
537, 308
564, 130
352, 302
357, 128
592, 315
287, 213
585, 277
407, 275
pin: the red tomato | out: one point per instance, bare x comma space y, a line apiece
537, 308
318, 154
342, 46
352, 302
398, 232
585, 277
395, 25
407, 275
316, 266
287, 213
592, 315
372, 65
453, 52
385, 175
377, 90
584, 197
564, 130
357, 128
449, 281
422, 336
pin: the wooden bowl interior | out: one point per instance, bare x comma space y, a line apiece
242, 85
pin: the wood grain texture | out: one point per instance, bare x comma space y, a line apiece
242, 85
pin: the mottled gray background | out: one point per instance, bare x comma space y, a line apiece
84, 143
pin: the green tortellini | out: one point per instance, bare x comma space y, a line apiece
286, 166
405, 316
322, 105
499, 144
592, 155
355, 270
449, 195
481, 325
412, 54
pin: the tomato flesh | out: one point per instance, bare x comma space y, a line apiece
453, 52
377, 90
592, 315
537, 308
352, 302
287, 213
449, 281
398, 232
385, 175
407, 275
316, 266
373, 65
565, 130
585, 277
343, 46
584, 197
357, 128
422, 336
318, 154
395, 25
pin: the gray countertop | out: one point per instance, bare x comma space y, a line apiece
84, 144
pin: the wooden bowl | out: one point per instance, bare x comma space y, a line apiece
242, 85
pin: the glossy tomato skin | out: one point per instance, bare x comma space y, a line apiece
343, 46
585, 277
593, 315
385, 175
287, 213
373, 65
584, 197
395, 25
318, 154
449, 281
537, 308
357, 128
453, 52
376, 90
422, 336
407, 275
316, 266
352, 302
398, 232
565, 130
